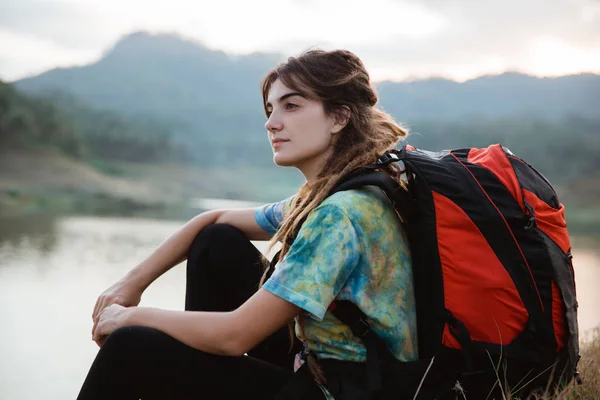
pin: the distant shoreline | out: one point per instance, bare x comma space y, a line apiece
43, 180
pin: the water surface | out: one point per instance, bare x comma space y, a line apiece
53, 269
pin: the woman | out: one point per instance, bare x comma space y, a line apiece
349, 246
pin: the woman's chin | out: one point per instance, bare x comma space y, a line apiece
283, 161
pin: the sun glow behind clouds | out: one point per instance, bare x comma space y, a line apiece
263, 25
458, 72
287, 27
338, 22
553, 57
548, 57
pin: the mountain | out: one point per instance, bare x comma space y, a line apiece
211, 100
175, 77
200, 93
143, 73
493, 96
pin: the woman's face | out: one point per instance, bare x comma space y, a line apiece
300, 131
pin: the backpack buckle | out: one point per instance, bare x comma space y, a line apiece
387, 158
531, 223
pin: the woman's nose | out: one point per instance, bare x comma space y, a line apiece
273, 124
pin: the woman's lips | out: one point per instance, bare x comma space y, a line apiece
278, 142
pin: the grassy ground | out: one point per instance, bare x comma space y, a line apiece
34, 179
44, 180
589, 368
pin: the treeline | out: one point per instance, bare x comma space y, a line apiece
562, 149
59, 120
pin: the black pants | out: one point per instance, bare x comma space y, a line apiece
223, 271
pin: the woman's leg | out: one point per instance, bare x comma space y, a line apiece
139, 362
223, 271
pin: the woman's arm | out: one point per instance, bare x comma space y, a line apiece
128, 290
174, 250
226, 333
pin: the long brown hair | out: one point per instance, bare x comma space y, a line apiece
340, 81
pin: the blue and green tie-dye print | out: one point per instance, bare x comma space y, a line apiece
351, 247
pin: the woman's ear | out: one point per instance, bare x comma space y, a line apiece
341, 119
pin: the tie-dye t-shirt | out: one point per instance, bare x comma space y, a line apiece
351, 247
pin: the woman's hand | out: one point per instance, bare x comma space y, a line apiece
110, 319
124, 293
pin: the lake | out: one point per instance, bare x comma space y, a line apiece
53, 269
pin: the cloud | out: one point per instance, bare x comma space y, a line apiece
577, 20
397, 38
71, 25
491, 36
22, 55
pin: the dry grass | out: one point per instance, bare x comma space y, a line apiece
589, 368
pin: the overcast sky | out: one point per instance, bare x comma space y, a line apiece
397, 39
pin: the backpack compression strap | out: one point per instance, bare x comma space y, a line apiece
351, 315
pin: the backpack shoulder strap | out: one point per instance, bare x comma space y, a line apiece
400, 198
402, 201
348, 312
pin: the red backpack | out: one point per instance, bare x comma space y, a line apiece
494, 282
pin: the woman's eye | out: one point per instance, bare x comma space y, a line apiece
290, 106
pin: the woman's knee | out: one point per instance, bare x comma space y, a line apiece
132, 363
140, 347
129, 341
217, 236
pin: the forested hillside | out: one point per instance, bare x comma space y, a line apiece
59, 120
211, 103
